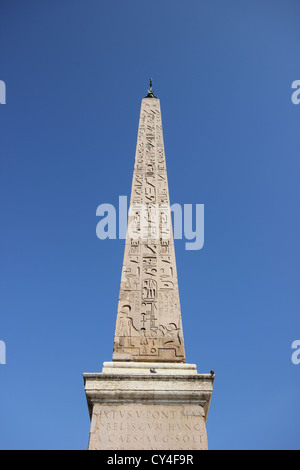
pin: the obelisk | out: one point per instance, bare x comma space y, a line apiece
148, 397
149, 324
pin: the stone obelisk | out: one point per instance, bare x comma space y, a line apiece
148, 324
148, 397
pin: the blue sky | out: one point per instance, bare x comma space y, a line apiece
75, 74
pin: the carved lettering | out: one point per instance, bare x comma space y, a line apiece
151, 427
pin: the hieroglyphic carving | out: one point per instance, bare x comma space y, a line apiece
149, 289
148, 326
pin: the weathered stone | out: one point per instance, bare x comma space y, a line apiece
148, 326
147, 397
134, 408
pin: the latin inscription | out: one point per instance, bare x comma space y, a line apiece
140, 427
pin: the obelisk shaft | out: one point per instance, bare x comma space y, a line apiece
149, 326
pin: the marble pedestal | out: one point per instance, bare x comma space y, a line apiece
145, 406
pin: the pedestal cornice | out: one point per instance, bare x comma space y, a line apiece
140, 383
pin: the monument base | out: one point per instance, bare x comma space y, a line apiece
148, 406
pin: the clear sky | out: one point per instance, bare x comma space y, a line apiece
75, 73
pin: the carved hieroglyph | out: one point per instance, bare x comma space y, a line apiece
148, 326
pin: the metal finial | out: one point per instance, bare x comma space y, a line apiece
151, 91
